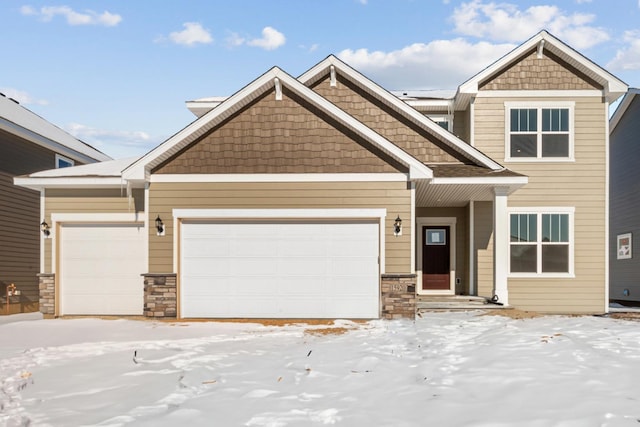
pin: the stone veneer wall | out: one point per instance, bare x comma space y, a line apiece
398, 296
160, 295
47, 290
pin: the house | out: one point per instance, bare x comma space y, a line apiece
624, 131
28, 143
327, 196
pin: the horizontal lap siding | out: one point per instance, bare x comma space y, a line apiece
88, 201
394, 196
625, 202
580, 184
19, 241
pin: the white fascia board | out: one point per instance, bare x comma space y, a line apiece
42, 141
337, 213
263, 83
507, 180
402, 107
138, 170
289, 177
622, 108
67, 182
539, 94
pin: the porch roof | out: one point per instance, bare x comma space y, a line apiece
455, 185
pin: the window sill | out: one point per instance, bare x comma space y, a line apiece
541, 276
539, 160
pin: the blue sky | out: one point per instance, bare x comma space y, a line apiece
117, 73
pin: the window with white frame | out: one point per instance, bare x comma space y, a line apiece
541, 242
539, 132
63, 162
444, 121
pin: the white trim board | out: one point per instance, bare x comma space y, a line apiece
287, 177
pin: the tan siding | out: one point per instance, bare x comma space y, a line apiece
580, 184
462, 240
286, 136
461, 125
533, 73
483, 247
88, 201
386, 122
394, 196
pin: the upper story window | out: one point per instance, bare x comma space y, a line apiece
541, 242
539, 131
444, 121
63, 162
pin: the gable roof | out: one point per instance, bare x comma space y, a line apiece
19, 121
277, 78
622, 108
613, 87
321, 69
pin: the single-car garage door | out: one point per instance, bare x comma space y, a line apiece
100, 268
293, 269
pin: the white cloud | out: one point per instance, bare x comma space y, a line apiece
117, 144
440, 64
88, 17
235, 39
22, 97
271, 39
505, 22
627, 58
192, 34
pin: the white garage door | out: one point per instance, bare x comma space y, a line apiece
280, 270
100, 268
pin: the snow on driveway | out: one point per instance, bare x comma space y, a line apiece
445, 369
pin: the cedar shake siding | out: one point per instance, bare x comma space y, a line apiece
579, 184
394, 196
88, 201
388, 123
286, 136
625, 202
533, 73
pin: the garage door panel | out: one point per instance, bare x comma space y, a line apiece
100, 267
294, 269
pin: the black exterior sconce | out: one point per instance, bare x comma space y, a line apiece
159, 226
397, 227
46, 230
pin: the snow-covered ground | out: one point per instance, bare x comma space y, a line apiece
444, 369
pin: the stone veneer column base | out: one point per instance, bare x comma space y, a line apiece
160, 295
47, 291
398, 296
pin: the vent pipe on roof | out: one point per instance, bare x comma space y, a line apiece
540, 49
332, 81
276, 81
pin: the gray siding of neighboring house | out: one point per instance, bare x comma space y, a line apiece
625, 203
20, 220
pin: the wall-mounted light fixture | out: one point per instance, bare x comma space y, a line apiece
159, 226
397, 227
44, 227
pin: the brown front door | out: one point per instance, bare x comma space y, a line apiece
436, 267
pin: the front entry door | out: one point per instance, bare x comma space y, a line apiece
436, 263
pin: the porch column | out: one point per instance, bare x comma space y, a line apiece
500, 245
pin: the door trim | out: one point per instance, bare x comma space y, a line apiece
436, 221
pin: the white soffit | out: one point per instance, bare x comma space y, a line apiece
622, 108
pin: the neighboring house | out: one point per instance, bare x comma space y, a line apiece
624, 191
28, 143
327, 196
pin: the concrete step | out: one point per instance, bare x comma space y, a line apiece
454, 302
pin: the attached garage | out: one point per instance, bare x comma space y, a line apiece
289, 268
100, 267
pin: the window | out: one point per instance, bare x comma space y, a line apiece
541, 132
541, 242
63, 162
444, 121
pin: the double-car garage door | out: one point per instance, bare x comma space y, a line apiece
279, 269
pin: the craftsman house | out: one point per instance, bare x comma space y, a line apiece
327, 196
28, 143
625, 199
